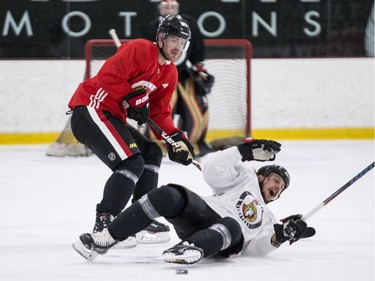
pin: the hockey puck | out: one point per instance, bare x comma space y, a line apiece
182, 271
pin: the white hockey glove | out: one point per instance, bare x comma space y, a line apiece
259, 150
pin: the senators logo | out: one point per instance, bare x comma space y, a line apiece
249, 210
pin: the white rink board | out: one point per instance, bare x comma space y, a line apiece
286, 93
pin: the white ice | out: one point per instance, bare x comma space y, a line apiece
46, 203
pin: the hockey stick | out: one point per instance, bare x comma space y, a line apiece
337, 192
115, 38
169, 140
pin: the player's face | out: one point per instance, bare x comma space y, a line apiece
173, 46
273, 185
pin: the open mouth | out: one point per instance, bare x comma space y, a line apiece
272, 192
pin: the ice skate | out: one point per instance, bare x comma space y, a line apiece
128, 243
91, 245
156, 232
102, 221
182, 254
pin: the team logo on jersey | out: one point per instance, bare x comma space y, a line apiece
249, 210
96, 99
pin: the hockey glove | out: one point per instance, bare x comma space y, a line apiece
292, 229
259, 150
181, 150
203, 78
136, 104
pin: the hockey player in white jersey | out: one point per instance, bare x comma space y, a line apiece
235, 219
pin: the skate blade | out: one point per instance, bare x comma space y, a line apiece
83, 251
145, 237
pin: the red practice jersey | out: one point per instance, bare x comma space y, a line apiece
135, 64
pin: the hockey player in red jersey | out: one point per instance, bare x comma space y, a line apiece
235, 219
136, 83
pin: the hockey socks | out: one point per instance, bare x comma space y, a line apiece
220, 236
129, 222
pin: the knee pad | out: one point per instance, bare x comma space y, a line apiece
229, 229
131, 167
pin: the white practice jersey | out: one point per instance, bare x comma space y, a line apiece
236, 194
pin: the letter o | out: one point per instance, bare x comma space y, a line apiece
84, 17
220, 18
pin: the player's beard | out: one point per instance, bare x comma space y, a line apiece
174, 54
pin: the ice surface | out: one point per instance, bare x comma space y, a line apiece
46, 203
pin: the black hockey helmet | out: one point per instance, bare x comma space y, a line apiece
174, 25
281, 171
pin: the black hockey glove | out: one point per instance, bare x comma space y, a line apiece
181, 151
136, 104
203, 78
292, 229
259, 150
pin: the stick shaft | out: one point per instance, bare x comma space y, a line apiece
339, 191
115, 38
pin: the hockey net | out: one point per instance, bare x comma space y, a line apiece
229, 60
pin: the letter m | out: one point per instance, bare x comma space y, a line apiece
10, 22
